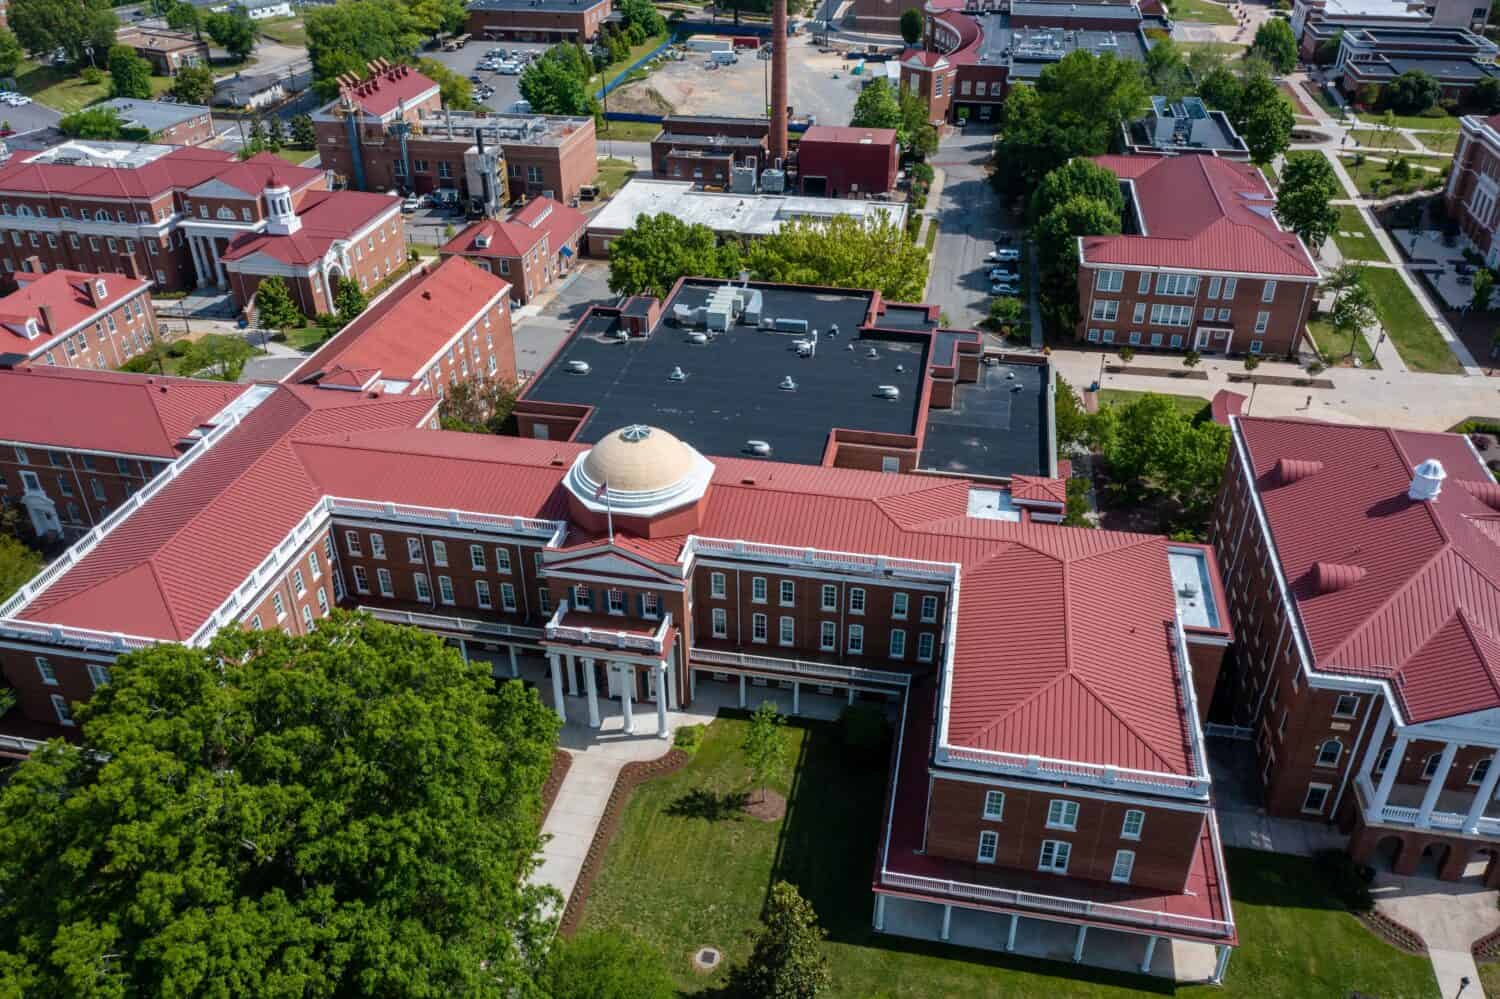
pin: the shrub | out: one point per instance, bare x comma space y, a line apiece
1251, 362
93, 76
179, 348
866, 733
1127, 354
688, 738
1348, 881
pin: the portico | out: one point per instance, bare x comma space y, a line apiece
587, 651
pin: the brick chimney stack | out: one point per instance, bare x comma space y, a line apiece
778, 84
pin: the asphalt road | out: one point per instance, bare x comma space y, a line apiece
970, 219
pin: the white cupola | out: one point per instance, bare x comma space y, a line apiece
281, 217
1427, 480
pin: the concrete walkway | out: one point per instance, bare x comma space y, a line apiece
1450, 916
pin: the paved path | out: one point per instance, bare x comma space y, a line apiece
968, 213
1449, 916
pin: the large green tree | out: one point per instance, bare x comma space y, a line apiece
1056, 236
92, 123
1304, 199
433, 17
1412, 92
274, 307
74, 26
1155, 451
11, 52
557, 83
456, 90
343, 37
842, 252
876, 106
911, 25
478, 405
129, 74
651, 255
234, 33
642, 14
1077, 177
1167, 70
185, 16
1266, 127
1275, 44
787, 961
917, 135
194, 85
18, 564
351, 812
764, 747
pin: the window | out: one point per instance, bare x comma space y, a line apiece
1223, 315
307, 618
439, 553
476, 557
507, 597
1329, 753
1093, 336
899, 603
925, 643
650, 605
720, 623
830, 597
583, 598
322, 601
758, 628
1176, 340
1062, 814
544, 600
1143, 285
60, 708
1156, 339
989, 843
758, 589
1124, 864
312, 563
898, 643
361, 580
482, 593
1383, 759
45, 670
1055, 854
1139, 315
351, 543
1135, 820
278, 606
1256, 346
1171, 315
788, 593
1316, 799
383, 577
716, 585
1182, 285
1430, 767
1109, 280
1135, 337
1347, 706
856, 600
994, 805
502, 561
1477, 775
1213, 287
1106, 310
1262, 320
1229, 286
616, 599
1268, 291
297, 582
377, 546
929, 609
786, 630
424, 591
413, 549
856, 639
828, 638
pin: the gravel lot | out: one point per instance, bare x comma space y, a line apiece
466, 59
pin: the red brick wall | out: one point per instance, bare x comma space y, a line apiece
539, 25
109, 341
72, 477
845, 165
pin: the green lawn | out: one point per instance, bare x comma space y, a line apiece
1200, 10
1379, 138
688, 869
309, 337
1353, 236
285, 30
1269, 172
1489, 978
1416, 339
1335, 346
615, 69
612, 175
66, 91
1374, 180
295, 156
629, 131
1191, 405
1440, 123
1442, 142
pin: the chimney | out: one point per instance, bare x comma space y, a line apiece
47, 324
778, 82
1427, 481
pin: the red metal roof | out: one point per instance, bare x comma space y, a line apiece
1225, 404
69, 297
1200, 213
518, 235
1417, 594
406, 331
327, 217
1038, 488
388, 89
182, 168
107, 411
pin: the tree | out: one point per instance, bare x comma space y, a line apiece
841, 252
349, 812
456, 90
917, 136
1485, 95
1327, 52
1071, 421
194, 85
43, 26
557, 83
911, 25
433, 17
1222, 90
1353, 313
185, 16
93, 123
234, 33
787, 961
642, 14
1006, 311
606, 966
1192, 359
1412, 92
274, 307
764, 749
479, 405
349, 300
18, 564
1275, 44
1484, 285
1077, 178
651, 255
129, 74
1056, 237
1267, 129
303, 132
1303, 200
1076, 508
1167, 70
344, 37
216, 356
877, 106
11, 52
1153, 450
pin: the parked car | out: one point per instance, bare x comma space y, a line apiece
475, 78
1004, 288
509, 69
1001, 274
1004, 253
410, 204
18, 100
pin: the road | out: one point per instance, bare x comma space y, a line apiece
969, 220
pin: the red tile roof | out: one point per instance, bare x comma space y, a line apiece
410, 327
388, 89
524, 230
107, 411
68, 295
1200, 213
1384, 585
327, 217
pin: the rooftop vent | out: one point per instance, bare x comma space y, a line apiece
787, 384
1330, 577
888, 391
578, 367
1427, 480
677, 374
1289, 470
872, 353
760, 449
698, 337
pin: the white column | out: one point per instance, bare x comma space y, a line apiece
851, 695
515, 670
1221, 965
557, 694
590, 685
1482, 796
672, 680
742, 690
1435, 786
880, 912
463, 649
796, 697
947, 920
627, 695
1083, 932
1010, 938
661, 700
1377, 737
572, 675
692, 684
1388, 779
197, 253
213, 247
1150, 951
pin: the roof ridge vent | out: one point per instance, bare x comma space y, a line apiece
1427, 480
1289, 470
1330, 577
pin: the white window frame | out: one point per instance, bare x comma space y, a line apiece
1338, 752
439, 553
583, 597
989, 847
384, 582
830, 597
719, 622
351, 543
1123, 868
926, 646
45, 671
414, 551
482, 595
424, 587
1307, 808
856, 643
476, 558
1133, 823
856, 600
361, 579
786, 630
61, 709
377, 545
1062, 814
760, 628
758, 590
1055, 856
898, 643
502, 561
994, 806
508, 597
787, 593
828, 636
900, 605
717, 585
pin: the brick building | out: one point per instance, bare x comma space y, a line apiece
1063, 798
165, 122
538, 244
439, 326
840, 162
1372, 58
1365, 592
1316, 22
1473, 185
706, 148
75, 445
166, 51
390, 132
1201, 264
538, 20
75, 320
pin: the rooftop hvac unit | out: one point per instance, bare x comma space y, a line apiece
1010, 374
698, 337
804, 348
759, 448
888, 391
833, 330
686, 315
773, 181
578, 367
622, 334
677, 374
791, 325
754, 301
787, 384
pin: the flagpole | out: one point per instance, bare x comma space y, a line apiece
609, 512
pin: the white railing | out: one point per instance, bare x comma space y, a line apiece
1403, 815
615, 638
60, 634
1059, 905
817, 558
1214, 730
470, 520
1046, 768
16, 744
443, 622
800, 667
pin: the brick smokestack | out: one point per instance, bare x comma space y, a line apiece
778, 83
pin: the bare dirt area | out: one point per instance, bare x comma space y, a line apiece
820, 85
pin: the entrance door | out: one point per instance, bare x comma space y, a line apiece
651, 675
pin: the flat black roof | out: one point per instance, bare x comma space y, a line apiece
550, 6
993, 429
730, 394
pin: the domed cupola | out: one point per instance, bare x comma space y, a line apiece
645, 479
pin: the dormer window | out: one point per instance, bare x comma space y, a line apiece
101, 290
32, 330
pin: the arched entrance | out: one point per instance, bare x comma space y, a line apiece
1387, 853
1434, 856
1481, 864
333, 276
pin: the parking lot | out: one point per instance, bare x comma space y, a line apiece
465, 61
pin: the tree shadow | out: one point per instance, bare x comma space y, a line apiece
712, 806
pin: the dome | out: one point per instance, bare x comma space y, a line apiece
638, 459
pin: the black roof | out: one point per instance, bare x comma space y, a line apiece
993, 429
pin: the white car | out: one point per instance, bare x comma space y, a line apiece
509, 69
1004, 253
410, 204
18, 101
1004, 288
1001, 274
